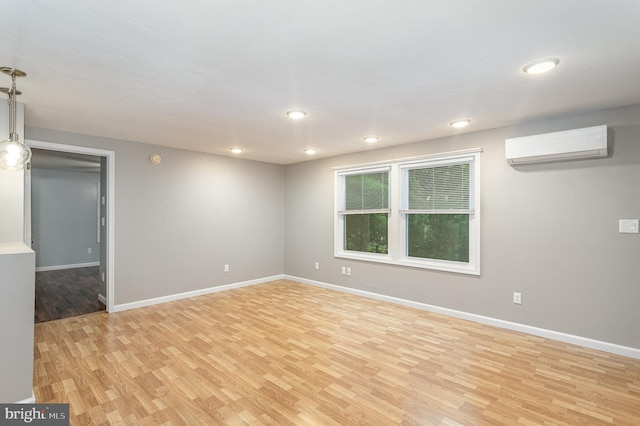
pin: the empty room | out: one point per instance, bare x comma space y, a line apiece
320, 213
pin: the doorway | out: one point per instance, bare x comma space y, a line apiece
75, 272
65, 233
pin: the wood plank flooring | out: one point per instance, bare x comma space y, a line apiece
284, 353
66, 293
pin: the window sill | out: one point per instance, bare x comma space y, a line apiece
444, 266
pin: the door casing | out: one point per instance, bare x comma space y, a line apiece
110, 201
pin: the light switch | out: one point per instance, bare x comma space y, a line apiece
628, 226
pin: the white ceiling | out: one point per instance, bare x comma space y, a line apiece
207, 75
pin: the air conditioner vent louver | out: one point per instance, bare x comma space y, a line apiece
588, 142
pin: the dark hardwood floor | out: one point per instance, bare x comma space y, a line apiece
67, 293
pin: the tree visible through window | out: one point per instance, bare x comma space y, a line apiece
437, 199
420, 212
367, 232
438, 236
366, 212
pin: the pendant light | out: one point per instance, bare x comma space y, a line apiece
14, 153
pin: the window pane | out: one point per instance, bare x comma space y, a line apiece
438, 236
366, 232
368, 191
439, 188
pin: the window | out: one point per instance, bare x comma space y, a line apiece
364, 211
422, 212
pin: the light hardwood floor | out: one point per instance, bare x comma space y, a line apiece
285, 353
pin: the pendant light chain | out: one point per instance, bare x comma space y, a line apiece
12, 110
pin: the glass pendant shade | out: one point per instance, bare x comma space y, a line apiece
14, 154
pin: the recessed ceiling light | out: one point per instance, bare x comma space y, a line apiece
296, 114
540, 67
459, 124
371, 139
236, 150
310, 151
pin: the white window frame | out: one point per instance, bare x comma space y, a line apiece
340, 207
397, 220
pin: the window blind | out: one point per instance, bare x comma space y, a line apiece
439, 189
366, 193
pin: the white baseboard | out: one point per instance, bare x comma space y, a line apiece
172, 297
31, 400
102, 299
60, 267
523, 328
527, 329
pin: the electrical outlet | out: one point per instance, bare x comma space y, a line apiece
89, 250
628, 226
344, 270
517, 298
317, 265
349, 271
226, 268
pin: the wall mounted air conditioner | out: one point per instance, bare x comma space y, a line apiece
589, 142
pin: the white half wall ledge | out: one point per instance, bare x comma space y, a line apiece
522, 328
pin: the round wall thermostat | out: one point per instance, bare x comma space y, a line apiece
155, 159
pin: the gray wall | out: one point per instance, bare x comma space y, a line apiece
548, 231
64, 217
178, 223
11, 204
